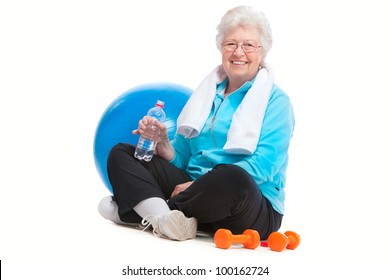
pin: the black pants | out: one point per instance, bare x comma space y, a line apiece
225, 197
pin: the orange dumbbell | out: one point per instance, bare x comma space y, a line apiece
223, 238
278, 241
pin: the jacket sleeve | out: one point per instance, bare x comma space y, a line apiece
182, 151
272, 150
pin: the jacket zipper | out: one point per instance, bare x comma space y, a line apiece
212, 123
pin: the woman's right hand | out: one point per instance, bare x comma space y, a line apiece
164, 148
142, 124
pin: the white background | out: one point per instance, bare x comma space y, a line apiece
63, 62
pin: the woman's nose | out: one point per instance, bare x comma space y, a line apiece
239, 51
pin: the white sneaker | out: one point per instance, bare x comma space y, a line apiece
109, 210
173, 225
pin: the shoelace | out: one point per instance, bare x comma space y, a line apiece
149, 221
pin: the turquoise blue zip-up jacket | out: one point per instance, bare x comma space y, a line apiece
267, 164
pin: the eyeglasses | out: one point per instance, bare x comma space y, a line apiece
247, 46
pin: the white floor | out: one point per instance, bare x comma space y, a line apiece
69, 240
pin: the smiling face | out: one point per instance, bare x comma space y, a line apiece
239, 66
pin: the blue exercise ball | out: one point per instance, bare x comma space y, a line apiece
123, 114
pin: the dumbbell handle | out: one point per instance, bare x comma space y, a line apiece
240, 238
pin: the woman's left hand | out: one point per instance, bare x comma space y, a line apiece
181, 187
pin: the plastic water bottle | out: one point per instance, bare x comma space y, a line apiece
147, 144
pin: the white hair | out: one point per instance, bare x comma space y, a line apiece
245, 16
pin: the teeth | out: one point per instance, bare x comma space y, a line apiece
239, 62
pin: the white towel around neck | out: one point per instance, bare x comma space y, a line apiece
245, 128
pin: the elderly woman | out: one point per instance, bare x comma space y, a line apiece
226, 167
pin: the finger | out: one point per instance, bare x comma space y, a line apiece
163, 130
148, 119
161, 126
175, 192
142, 125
